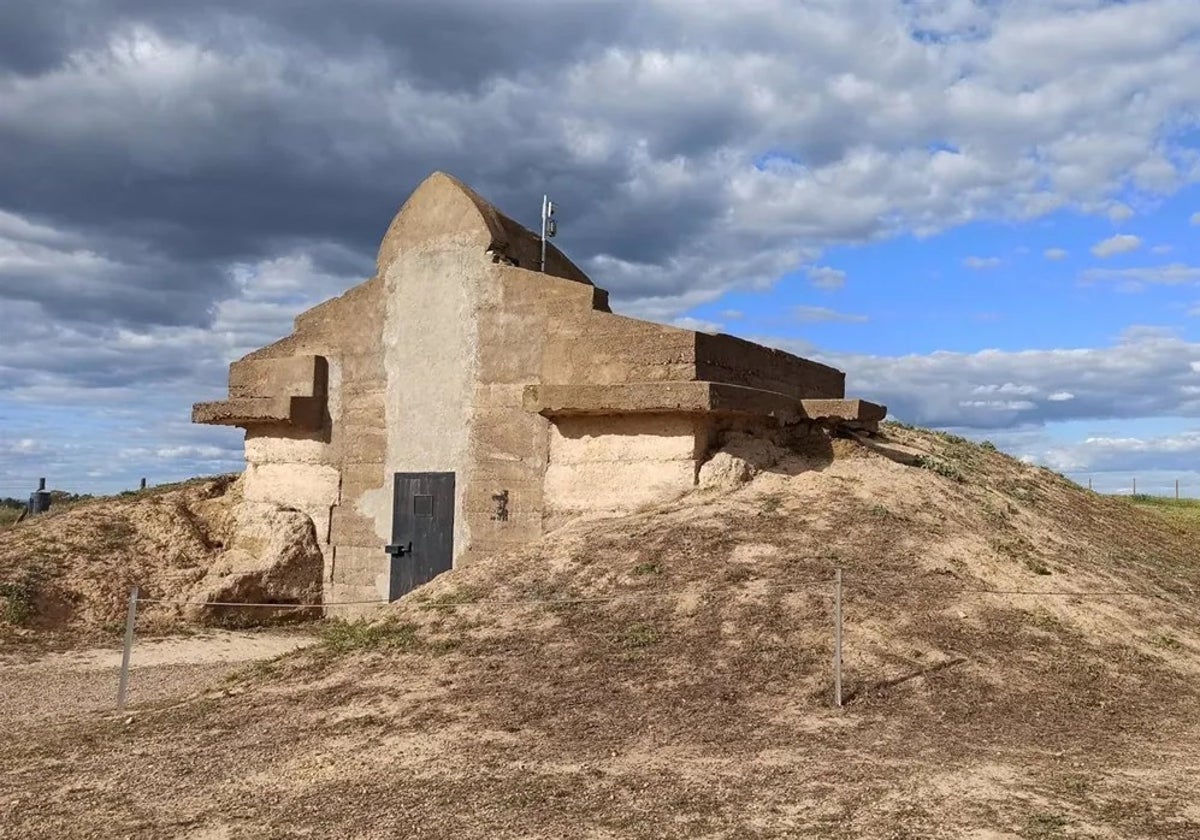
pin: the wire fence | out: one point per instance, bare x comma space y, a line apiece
834, 588
1126, 485
1103, 483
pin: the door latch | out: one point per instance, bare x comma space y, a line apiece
399, 549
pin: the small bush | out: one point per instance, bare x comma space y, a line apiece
942, 468
652, 567
449, 644
1168, 642
20, 597
1046, 826
988, 445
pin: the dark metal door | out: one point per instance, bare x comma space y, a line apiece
422, 529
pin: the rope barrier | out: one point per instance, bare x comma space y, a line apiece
249, 604
653, 595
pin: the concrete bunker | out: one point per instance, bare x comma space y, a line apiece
461, 401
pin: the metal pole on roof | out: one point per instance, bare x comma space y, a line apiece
549, 226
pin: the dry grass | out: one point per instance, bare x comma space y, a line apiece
666, 674
8, 516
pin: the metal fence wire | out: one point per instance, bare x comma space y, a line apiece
835, 587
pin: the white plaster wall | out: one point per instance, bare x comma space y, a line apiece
618, 463
430, 349
288, 471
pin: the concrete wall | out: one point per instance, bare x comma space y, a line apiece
503, 501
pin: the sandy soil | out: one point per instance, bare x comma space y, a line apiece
60, 686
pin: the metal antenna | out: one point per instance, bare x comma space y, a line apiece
549, 225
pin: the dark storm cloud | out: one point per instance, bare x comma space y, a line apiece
211, 168
33, 36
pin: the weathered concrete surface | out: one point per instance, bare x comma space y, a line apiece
618, 463
457, 356
290, 390
851, 410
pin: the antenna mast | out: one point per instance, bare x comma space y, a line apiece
549, 225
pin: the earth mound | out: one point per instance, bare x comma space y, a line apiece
1021, 660
71, 570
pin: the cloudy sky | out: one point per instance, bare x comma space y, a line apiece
988, 213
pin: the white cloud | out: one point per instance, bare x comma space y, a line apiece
1119, 212
698, 325
1147, 373
1055, 254
981, 263
816, 314
1010, 388
1195, 219
1122, 243
1125, 454
1133, 279
824, 277
999, 405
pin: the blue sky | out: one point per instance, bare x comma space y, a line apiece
987, 284
985, 212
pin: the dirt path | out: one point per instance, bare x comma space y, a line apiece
58, 686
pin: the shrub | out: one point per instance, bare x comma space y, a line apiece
19, 597
942, 468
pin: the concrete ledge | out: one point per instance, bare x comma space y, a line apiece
658, 398
285, 376
859, 411
299, 412
692, 398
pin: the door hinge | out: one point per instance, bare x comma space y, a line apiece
399, 549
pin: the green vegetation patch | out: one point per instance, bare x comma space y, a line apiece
18, 596
348, 636
1184, 513
639, 635
942, 468
451, 598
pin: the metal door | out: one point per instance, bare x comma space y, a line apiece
422, 529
